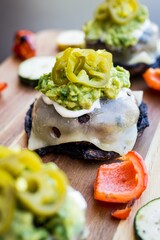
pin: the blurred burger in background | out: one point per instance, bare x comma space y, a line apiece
124, 29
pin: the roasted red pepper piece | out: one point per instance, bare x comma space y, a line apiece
123, 213
24, 44
121, 182
152, 78
3, 85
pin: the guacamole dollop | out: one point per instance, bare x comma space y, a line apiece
68, 223
112, 33
90, 75
22, 228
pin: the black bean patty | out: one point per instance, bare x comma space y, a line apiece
84, 150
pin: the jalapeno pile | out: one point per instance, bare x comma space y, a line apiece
114, 23
84, 66
26, 184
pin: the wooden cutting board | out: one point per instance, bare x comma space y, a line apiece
15, 101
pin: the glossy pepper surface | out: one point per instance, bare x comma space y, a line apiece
121, 182
152, 78
24, 45
3, 85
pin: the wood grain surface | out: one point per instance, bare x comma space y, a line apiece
15, 101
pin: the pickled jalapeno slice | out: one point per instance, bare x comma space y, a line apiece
42, 192
16, 161
7, 200
88, 67
30, 160
5, 152
102, 12
123, 11
58, 72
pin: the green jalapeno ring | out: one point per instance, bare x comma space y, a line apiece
16, 161
42, 192
95, 71
122, 11
30, 160
102, 12
7, 200
5, 152
58, 71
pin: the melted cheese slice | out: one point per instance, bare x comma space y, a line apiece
113, 127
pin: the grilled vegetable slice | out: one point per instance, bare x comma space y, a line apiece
24, 45
7, 200
71, 38
32, 69
147, 221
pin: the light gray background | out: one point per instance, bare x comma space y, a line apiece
37, 15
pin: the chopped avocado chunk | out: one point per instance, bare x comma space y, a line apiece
73, 216
69, 222
119, 78
22, 228
113, 34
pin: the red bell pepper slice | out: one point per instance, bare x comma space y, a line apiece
3, 85
123, 213
121, 182
152, 78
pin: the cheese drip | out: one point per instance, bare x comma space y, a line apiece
113, 127
64, 112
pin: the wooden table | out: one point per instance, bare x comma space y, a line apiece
14, 103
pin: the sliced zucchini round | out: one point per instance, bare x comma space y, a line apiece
147, 221
71, 38
33, 68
